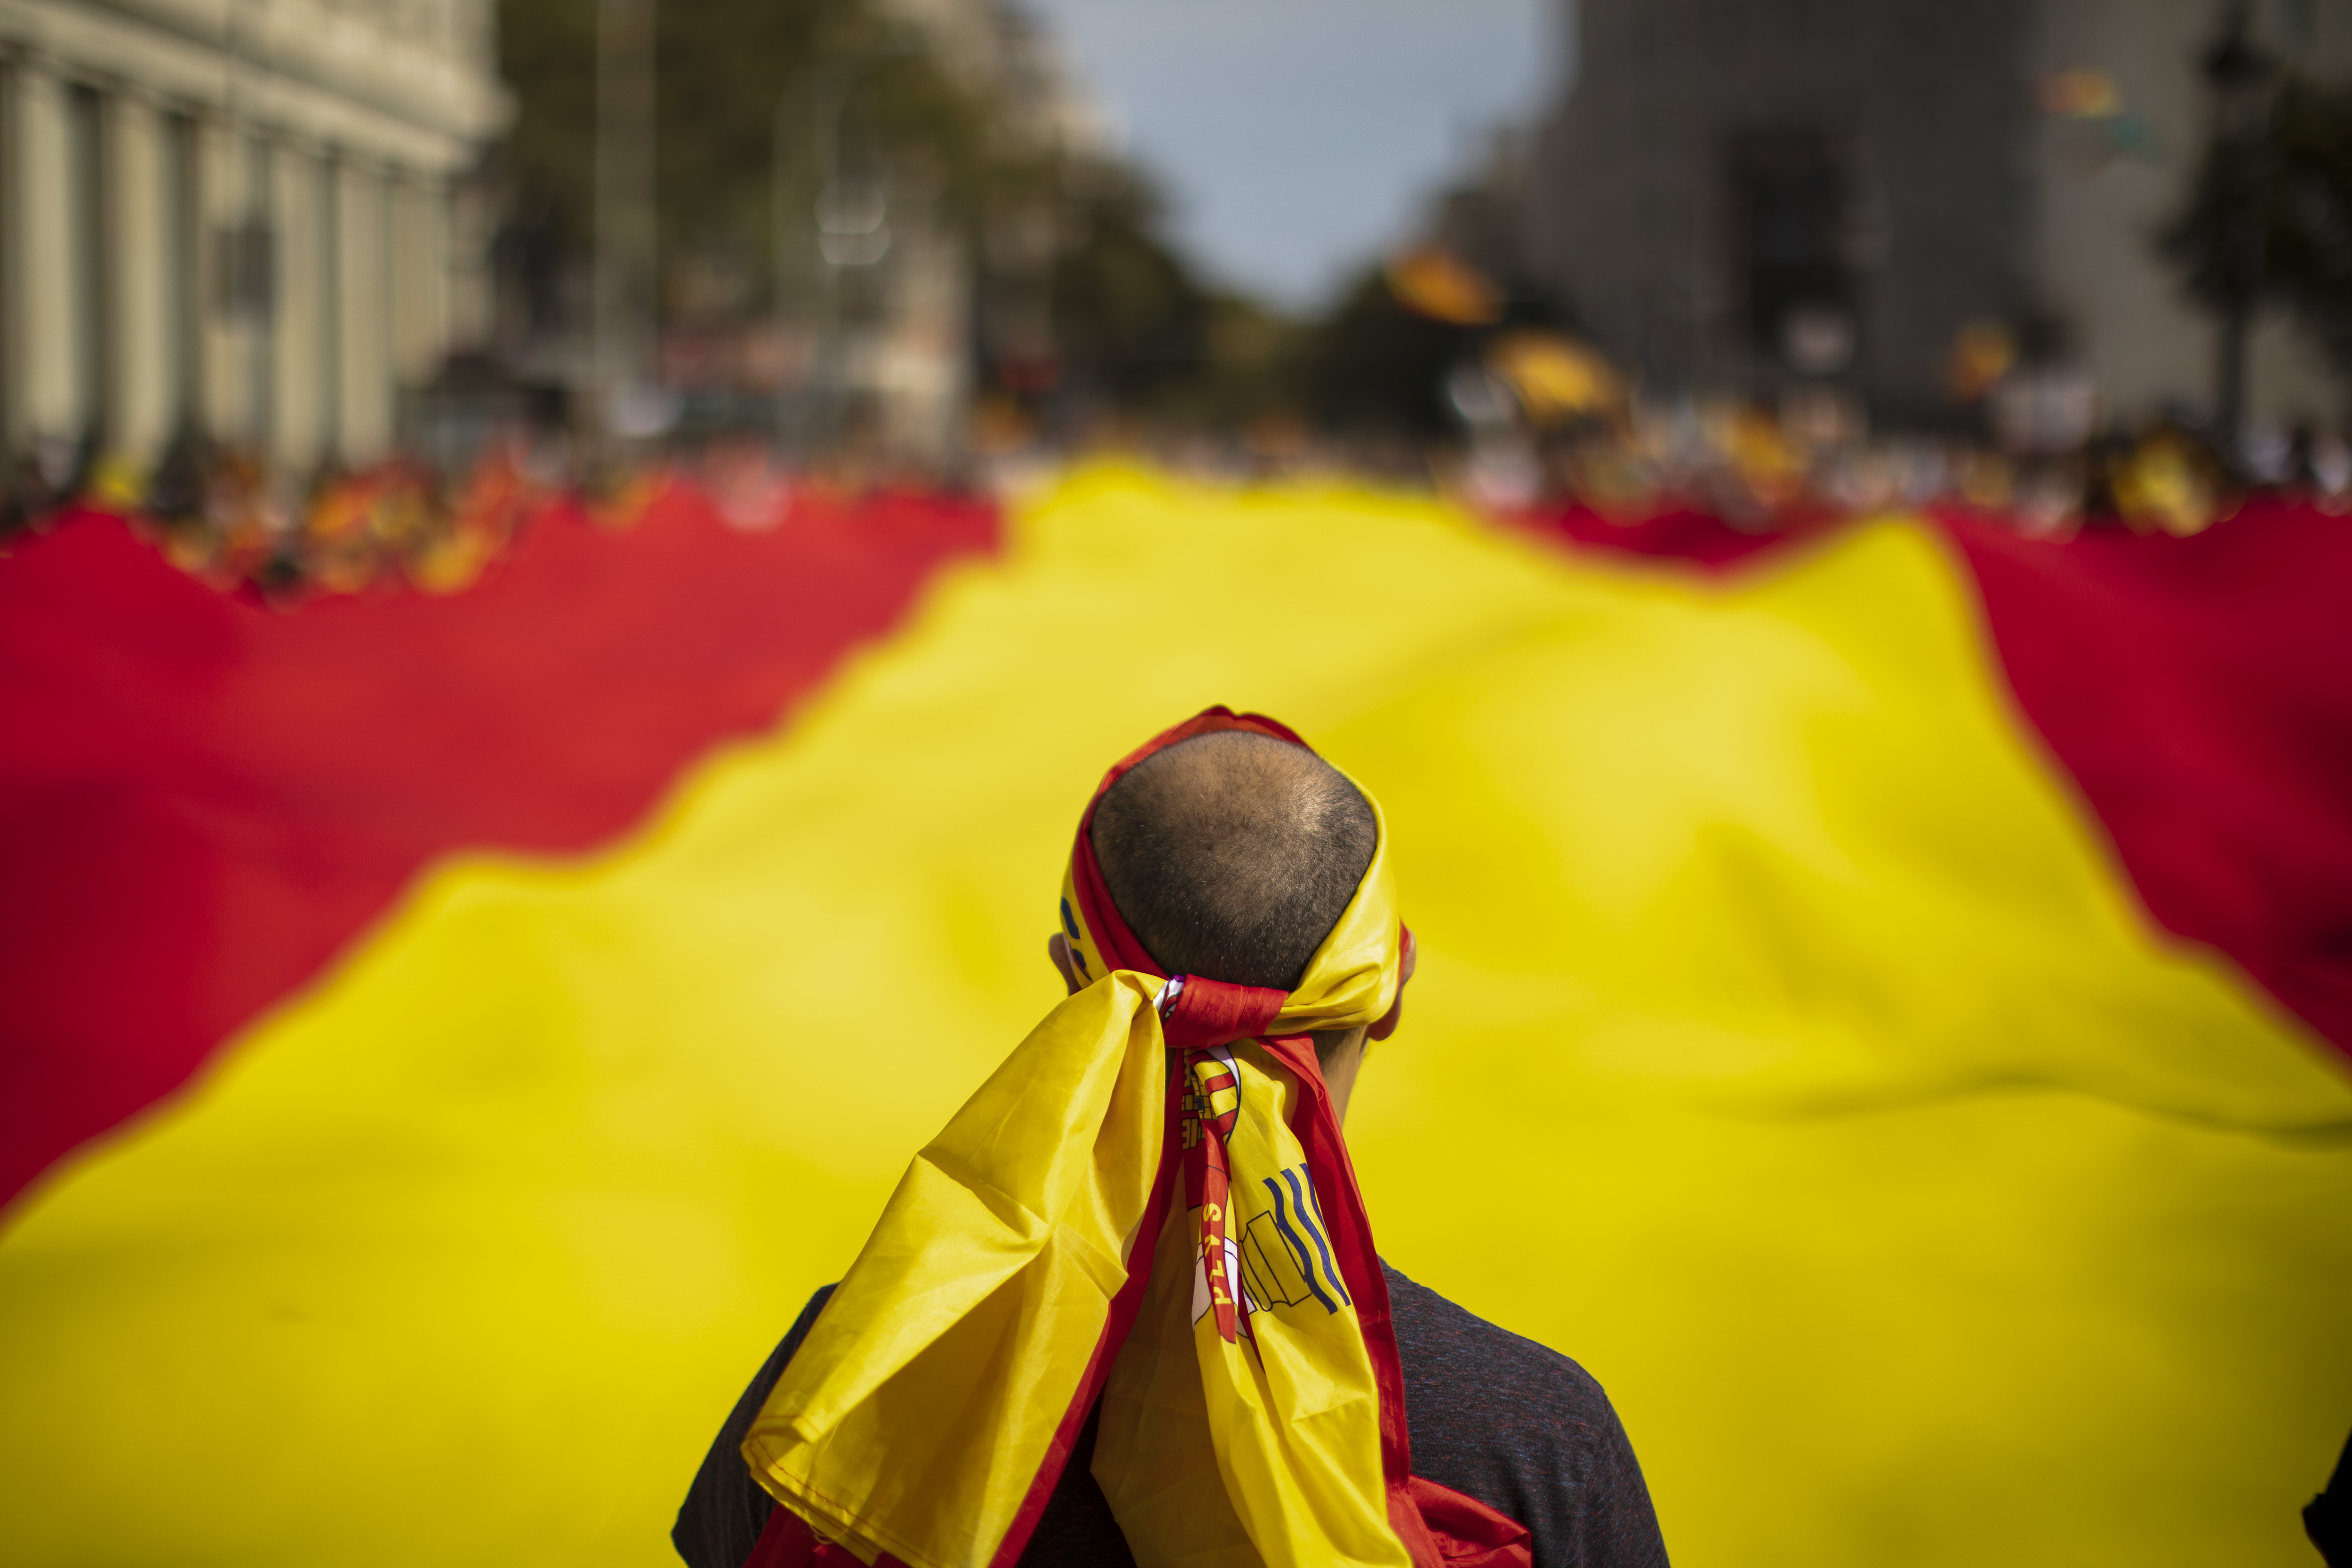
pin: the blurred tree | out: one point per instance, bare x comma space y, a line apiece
1128, 315
2310, 239
547, 52
1253, 363
1373, 367
1067, 246
2221, 240
724, 69
2273, 222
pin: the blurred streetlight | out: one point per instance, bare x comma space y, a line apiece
852, 220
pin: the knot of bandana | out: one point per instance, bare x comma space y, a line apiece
1212, 1013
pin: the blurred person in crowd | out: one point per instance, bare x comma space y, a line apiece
1228, 923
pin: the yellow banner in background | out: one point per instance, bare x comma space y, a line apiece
1785, 1048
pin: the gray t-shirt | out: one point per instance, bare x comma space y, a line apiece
1523, 1429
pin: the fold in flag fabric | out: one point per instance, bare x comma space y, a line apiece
2194, 691
1873, 1009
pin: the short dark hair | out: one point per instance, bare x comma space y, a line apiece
1232, 855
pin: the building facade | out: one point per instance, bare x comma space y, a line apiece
239, 219
1733, 193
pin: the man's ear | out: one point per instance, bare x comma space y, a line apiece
1395, 1015
1058, 948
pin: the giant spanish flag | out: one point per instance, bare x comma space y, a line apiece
1884, 1000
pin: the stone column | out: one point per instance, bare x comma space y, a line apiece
420, 279
53, 276
12, 266
183, 316
468, 296
12, 313
145, 376
301, 347
364, 308
225, 403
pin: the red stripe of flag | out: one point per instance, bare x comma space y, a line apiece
203, 800
2198, 692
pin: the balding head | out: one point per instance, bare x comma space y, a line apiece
1231, 855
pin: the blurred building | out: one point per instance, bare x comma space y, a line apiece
239, 218
1736, 193
1482, 217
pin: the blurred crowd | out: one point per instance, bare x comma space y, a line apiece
1522, 416
1765, 468
1546, 426
1551, 423
222, 517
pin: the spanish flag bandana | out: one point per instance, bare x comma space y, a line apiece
1147, 1204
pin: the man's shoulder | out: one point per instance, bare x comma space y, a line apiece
1523, 1429
1446, 1342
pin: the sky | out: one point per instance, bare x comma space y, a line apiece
1297, 138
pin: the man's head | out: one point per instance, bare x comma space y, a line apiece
1233, 855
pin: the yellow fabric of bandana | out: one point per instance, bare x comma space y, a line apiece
917, 1419
1262, 1446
